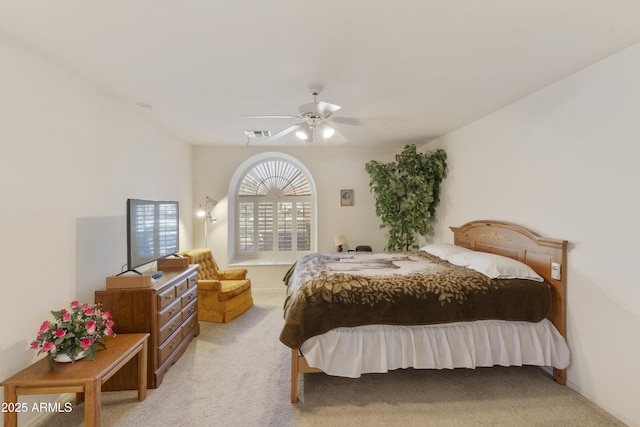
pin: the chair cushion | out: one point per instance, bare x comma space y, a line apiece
233, 288
232, 274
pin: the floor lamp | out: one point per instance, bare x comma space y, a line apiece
205, 213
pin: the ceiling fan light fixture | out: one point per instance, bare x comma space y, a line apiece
314, 116
304, 132
327, 131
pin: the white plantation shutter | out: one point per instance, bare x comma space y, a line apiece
303, 224
275, 175
274, 216
265, 227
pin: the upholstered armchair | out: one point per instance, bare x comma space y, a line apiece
223, 295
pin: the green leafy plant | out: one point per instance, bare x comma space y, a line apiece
407, 192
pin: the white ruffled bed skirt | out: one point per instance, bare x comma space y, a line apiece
350, 352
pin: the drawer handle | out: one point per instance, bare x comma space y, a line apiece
192, 309
191, 324
168, 297
173, 309
173, 344
172, 327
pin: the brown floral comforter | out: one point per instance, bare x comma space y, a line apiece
327, 291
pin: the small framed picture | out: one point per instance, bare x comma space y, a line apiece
346, 197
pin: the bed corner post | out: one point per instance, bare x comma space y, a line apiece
294, 375
560, 376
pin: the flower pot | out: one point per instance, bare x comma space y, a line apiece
64, 358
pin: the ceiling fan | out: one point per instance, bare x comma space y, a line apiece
317, 118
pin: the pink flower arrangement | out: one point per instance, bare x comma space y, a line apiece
81, 329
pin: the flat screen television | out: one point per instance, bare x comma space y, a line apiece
152, 231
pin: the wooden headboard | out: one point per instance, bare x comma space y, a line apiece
515, 241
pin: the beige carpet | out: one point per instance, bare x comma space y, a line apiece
237, 374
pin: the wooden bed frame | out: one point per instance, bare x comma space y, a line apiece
502, 238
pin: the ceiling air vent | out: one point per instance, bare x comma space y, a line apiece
257, 133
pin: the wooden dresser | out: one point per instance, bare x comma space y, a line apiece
167, 310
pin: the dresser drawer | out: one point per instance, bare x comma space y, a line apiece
169, 329
169, 346
169, 313
182, 287
189, 310
166, 297
189, 297
192, 281
189, 326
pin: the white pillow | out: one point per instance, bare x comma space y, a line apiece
443, 250
495, 266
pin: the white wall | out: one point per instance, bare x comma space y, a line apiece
71, 156
564, 162
333, 167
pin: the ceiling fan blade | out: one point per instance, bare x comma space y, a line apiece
270, 117
351, 121
326, 109
284, 132
337, 138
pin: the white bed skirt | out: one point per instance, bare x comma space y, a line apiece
350, 352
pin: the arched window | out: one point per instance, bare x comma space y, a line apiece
274, 209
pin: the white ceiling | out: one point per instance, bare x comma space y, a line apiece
426, 66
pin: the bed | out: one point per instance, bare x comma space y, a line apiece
460, 305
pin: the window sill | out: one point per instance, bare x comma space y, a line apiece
261, 262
